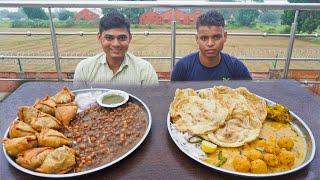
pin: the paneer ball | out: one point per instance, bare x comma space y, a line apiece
259, 167
285, 142
241, 164
253, 154
286, 157
271, 160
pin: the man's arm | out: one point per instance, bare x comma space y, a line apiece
150, 77
242, 72
78, 74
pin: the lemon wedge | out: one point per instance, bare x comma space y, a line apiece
208, 147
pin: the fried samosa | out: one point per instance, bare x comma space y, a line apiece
33, 158
64, 96
20, 129
46, 105
28, 114
51, 138
15, 146
66, 112
45, 121
59, 161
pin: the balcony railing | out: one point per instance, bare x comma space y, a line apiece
151, 4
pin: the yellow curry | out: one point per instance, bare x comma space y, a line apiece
271, 147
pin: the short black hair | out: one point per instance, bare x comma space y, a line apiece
210, 18
114, 19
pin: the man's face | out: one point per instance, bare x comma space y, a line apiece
115, 42
210, 40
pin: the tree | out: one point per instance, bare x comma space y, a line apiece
246, 17
65, 15
16, 15
307, 21
131, 13
4, 13
270, 17
35, 13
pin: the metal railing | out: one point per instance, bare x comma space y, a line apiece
148, 4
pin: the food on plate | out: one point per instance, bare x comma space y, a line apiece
271, 146
252, 137
256, 103
258, 166
253, 154
45, 121
46, 105
20, 129
54, 136
241, 164
33, 158
208, 147
66, 112
194, 114
63, 96
58, 161
38, 119
271, 159
286, 142
14, 146
286, 157
51, 138
279, 113
101, 135
27, 114
221, 114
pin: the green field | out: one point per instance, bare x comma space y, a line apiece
158, 45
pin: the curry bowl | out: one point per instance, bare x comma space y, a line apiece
94, 93
112, 98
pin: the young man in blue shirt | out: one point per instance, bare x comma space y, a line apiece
209, 63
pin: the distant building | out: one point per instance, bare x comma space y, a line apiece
165, 17
87, 14
150, 18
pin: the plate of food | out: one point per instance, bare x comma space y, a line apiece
238, 132
69, 134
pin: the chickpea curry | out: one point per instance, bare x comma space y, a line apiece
100, 135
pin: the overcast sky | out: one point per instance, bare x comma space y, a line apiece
78, 9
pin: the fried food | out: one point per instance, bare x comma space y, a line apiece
196, 115
45, 121
241, 164
64, 96
51, 138
258, 166
20, 129
285, 142
278, 113
286, 157
66, 112
271, 159
225, 116
46, 105
271, 146
15, 146
33, 158
58, 161
27, 114
256, 103
253, 154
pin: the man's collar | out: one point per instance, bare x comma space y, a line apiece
124, 63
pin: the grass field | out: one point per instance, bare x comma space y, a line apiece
149, 46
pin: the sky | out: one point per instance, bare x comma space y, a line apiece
78, 9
